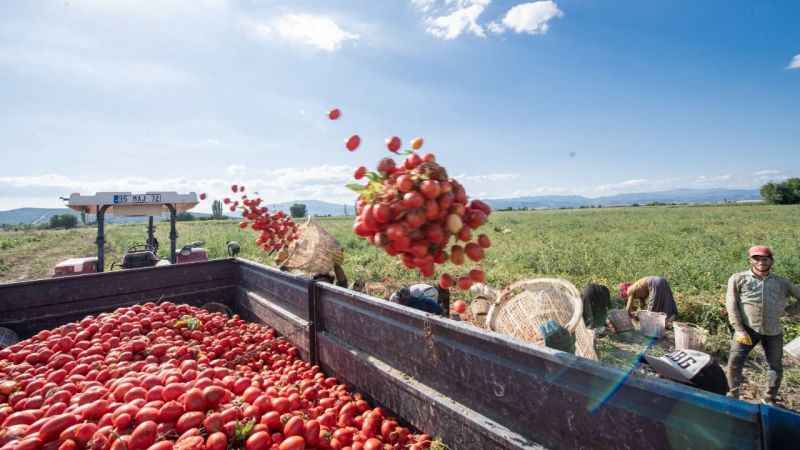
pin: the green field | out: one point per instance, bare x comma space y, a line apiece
695, 248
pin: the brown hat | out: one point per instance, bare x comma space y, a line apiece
759, 250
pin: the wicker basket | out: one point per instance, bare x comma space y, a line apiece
526, 305
316, 251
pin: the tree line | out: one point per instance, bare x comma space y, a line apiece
783, 193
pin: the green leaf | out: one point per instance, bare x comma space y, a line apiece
356, 187
374, 176
243, 430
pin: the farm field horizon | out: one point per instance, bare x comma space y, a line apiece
695, 247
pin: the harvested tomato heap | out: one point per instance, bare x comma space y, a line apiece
413, 210
164, 377
275, 230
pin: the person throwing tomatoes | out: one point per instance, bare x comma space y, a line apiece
755, 301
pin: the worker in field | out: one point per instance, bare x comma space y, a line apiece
338, 276
233, 248
755, 301
423, 297
596, 301
653, 294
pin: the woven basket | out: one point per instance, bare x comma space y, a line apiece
315, 251
526, 305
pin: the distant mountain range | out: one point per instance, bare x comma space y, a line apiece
320, 208
691, 196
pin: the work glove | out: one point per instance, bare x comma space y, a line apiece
741, 337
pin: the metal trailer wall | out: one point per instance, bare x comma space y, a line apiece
474, 389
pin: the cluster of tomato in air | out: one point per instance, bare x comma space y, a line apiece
275, 230
413, 210
176, 377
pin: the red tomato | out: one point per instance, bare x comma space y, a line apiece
143, 436
163, 445
258, 441
272, 420
457, 255
293, 427
393, 144
484, 241
459, 306
311, 433
373, 444
202, 196
353, 142
171, 411
474, 251
360, 173
334, 114
217, 441
55, 425
477, 275
446, 281
188, 421
386, 166
293, 443
430, 189
464, 283
412, 200
213, 395
190, 443
194, 401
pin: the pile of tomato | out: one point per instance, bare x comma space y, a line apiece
275, 230
413, 210
176, 377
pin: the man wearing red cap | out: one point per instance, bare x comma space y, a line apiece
755, 301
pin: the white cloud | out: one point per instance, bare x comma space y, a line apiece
463, 18
317, 31
255, 29
495, 27
794, 63
530, 18
705, 179
235, 169
762, 173
424, 5
489, 177
324, 182
622, 186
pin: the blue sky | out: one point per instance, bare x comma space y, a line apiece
516, 98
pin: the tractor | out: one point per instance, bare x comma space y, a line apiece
137, 255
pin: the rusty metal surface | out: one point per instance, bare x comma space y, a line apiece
459, 426
30, 306
53, 292
255, 308
287, 290
550, 397
472, 388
